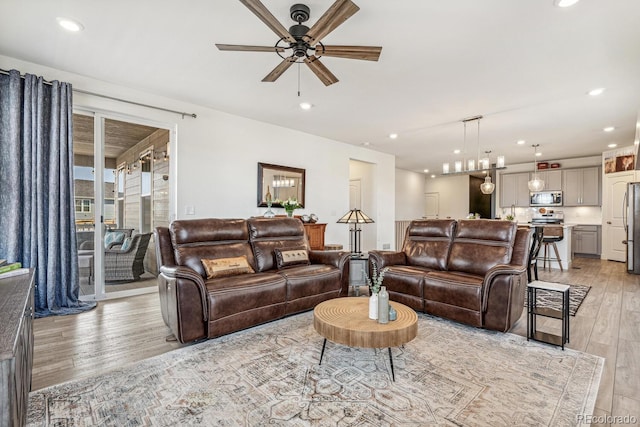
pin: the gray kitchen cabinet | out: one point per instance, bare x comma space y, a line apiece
552, 179
581, 187
586, 240
514, 189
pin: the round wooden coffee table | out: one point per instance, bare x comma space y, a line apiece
346, 321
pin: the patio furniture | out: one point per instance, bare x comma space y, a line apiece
126, 262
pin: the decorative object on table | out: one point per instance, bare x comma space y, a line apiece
383, 305
313, 218
305, 218
374, 283
281, 183
355, 217
535, 184
473, 216
510, 217
290, 205
269, 199
393, 314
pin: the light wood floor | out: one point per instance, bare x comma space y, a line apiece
123, 331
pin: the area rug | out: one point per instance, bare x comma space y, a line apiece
450, 375
577, 294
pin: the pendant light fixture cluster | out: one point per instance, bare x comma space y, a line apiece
478, 164
535, 184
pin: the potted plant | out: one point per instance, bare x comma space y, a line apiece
290, 205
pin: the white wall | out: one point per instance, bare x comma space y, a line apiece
453, 191
365, 172
410, 189
214, 157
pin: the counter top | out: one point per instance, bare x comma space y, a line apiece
528, 224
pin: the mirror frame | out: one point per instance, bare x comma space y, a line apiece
278, 168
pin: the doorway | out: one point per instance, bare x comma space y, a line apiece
121, 181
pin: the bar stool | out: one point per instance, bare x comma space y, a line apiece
552, 234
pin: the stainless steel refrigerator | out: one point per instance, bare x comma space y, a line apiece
631, 220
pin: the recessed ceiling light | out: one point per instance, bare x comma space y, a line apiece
426, 171
521, 142
609, 129
565, 3
538, 154
306, 105
612, 145
433, 176
393, 135
596, 92
70, 24
456, 151
366, 144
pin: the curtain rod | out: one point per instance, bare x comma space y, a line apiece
86, 92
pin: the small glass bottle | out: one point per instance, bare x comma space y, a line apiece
393, 314
383, 305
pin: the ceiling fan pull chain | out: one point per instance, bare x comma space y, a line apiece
298, 79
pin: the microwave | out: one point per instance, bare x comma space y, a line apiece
545, 198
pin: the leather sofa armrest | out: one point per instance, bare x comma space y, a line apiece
498, 270
384, 259
180, 272
336, 259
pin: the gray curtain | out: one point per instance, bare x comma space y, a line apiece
37, 213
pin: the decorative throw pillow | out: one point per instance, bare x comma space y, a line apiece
126, 244
293, 256
224, 267
113, 237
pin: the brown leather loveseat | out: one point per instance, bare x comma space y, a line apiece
470, 271
196, 307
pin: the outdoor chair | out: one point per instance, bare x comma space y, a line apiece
126, 262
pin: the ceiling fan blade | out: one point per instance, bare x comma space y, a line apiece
321, 71
367, 53
246, 48
281, 68
265, 16
339, 12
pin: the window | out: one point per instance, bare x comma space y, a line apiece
83, 205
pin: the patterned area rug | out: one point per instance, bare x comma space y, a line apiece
450, 375
577, 294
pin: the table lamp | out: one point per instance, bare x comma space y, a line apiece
355, 217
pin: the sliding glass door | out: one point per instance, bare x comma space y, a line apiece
121, 193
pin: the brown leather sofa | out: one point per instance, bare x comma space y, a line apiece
470, 271
195, 307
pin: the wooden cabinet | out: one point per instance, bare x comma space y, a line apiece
315, 235
16, 347
514, 189
581, 187
586, 240
552, 179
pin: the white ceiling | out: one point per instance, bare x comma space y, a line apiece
524, 65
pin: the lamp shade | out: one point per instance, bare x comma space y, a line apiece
487, 186
355, 216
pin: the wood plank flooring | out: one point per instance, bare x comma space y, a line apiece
123, 331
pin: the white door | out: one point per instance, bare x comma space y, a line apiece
613, 232
432, 205
355, 194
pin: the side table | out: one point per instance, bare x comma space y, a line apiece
533, 311
358, 266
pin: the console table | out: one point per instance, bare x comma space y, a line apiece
315, 235
16, 347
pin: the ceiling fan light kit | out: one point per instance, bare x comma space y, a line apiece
303, 44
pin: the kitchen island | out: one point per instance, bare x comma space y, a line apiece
564, 246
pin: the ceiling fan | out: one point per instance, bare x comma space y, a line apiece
303, 43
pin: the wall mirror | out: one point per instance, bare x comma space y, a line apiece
282, 182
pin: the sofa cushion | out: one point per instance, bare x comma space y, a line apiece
306, 280
290, 257
229, 296
454, 288
427, 243
225, 267
479, 245
268, 234
197, 239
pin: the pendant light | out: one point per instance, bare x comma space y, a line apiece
536, 184
487, 186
